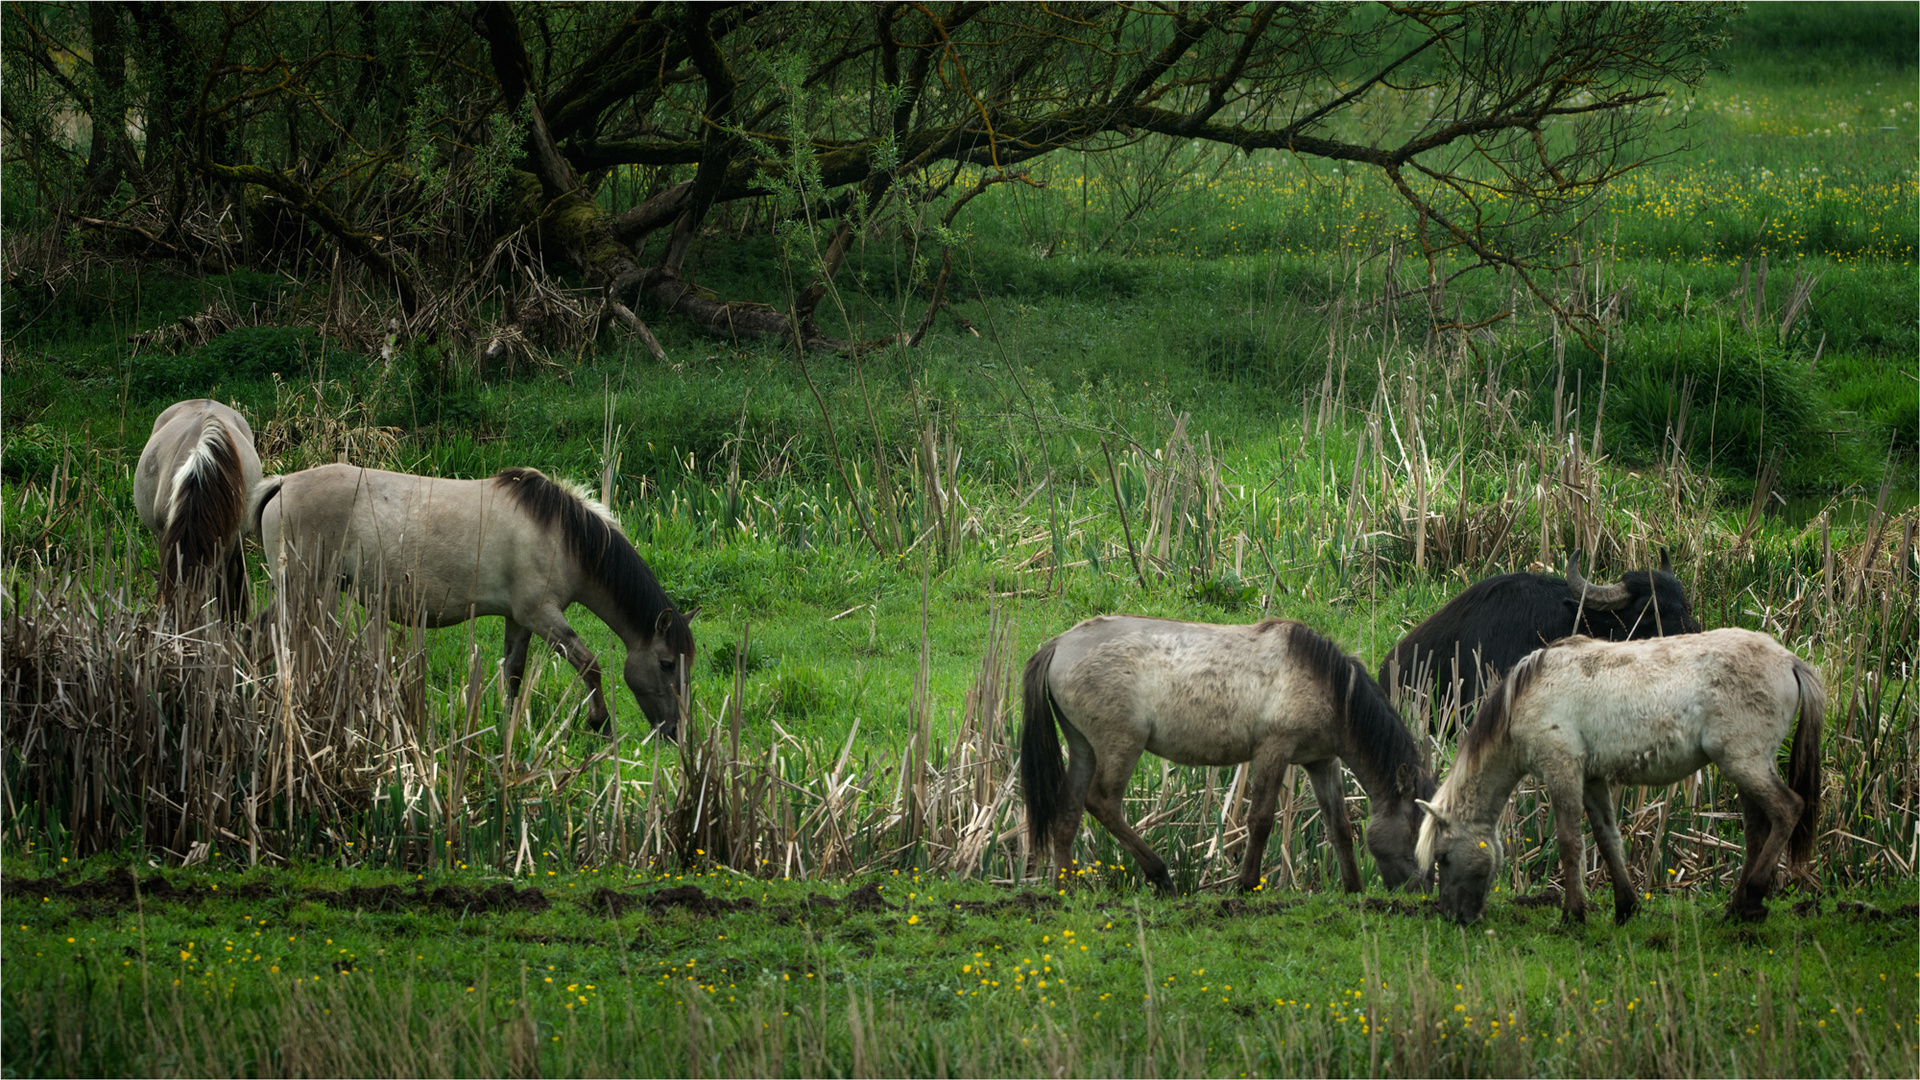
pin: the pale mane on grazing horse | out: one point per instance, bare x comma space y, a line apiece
1272, 694
1582, 715
191, 488
519, 545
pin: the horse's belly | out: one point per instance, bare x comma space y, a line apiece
1218, 749
1649, 766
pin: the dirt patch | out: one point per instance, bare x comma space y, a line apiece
495, 898
1808, 907
364, 898
1395, 906
120, 888
1550, 898
693, 899
1028, 902
865, 898
1869, 913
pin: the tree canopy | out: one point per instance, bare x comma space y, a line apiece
419, 142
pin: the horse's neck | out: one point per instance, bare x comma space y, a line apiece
598, 600
1483, 791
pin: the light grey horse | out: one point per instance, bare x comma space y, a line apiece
517, 544
1272, 694
191, 488
1582, 715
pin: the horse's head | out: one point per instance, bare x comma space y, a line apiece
659, 672
1465, 854
1393, 826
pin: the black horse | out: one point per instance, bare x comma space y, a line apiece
1480, 634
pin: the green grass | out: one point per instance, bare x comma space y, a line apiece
435, 975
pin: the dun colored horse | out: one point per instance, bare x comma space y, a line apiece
1581, 715
191, 488
518, 545
1272, 694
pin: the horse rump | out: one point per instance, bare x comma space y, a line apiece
1043, 769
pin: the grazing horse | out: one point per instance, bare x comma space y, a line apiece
518, 545
1581, 715
1480, 634
191, 488
1272, 694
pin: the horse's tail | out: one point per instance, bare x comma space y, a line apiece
206, 511
257, 502
1803, 761
1043, 771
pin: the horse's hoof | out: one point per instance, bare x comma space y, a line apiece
1622, 914
1755, 914
1574, 916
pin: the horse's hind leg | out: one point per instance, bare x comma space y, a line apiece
1109, 783
1771, 809
1333, 807
1081, 761
1606, 833
553, 626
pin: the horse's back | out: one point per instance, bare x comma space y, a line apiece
1654, 711
1193, 693
451, 548
177, 433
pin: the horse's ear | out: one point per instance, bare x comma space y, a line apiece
692, 613
664, 623
1666, 561
1432, 811
1403, 780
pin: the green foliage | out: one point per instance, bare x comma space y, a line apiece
247, 354
1225, 591
1811, 42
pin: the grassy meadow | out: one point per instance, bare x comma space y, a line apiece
1170, 382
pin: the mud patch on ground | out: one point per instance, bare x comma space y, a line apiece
122, 889
1869, 913
691, 898
1550, 898
1028, 902
1396, 906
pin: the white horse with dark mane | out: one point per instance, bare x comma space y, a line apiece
191, 488
1581, 715
1272, 694
519, 545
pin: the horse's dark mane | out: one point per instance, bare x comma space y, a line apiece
603, 552
1380, 741
1491, 724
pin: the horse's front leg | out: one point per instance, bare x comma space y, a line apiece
1332, 796
1268, 771
1606, 833
1564, 794
553, 626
